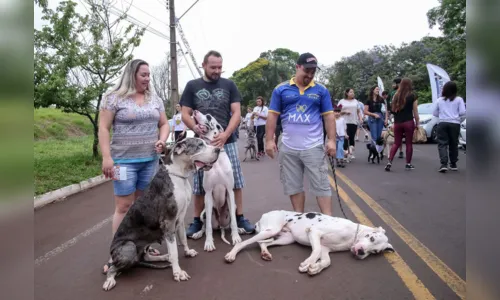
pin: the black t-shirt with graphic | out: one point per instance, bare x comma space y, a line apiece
212, 98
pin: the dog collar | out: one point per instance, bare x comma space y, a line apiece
177, 175
355, 236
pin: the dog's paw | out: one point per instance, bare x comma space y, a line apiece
197, 235
265, 255
236, 238
181, 275
209, 245
314, 269
191, 253
304, 266
230, 257
109, 284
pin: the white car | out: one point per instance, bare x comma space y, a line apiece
462, 138
427, 121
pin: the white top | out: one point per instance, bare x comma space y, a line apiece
247, 119
352, 107
340, 125
261, 111
178, 124
449, 111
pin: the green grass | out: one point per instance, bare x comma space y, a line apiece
51, 123
62, 150
59, 163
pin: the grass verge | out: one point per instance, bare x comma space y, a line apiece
58, 163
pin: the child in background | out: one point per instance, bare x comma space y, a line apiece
341, 135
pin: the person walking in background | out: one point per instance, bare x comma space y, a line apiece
179, 126
449, 108
376, 119
260, 116
395, 87
140, 130
361, 123
404, 106
341, 129
352, 116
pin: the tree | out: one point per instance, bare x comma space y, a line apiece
160, 80
78, 57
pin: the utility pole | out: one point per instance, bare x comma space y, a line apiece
174, 80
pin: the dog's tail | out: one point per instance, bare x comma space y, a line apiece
223, 236
153, 266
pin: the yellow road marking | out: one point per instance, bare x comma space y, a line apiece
409, 278
446, 274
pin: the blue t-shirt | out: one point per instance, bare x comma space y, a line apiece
301, 113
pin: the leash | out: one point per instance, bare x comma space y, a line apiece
332, 166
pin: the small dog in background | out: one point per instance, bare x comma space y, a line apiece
251, 145
388, 137
375, 150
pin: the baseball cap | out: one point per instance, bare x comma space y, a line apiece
308, 60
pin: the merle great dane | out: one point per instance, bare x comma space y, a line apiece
158, 215
323, 233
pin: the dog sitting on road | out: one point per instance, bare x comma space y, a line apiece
159, 213
374, 151
323, 233
251, 145
218, 184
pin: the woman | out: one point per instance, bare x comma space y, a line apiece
179, 126
135, 115
449, 108
260, 116
352, 117
405, 108
373, 109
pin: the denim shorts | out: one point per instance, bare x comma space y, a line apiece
139, 176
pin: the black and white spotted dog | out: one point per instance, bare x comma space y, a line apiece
158, 215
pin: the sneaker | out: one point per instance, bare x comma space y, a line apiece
245, 224
388, 166
453, 167
443, 169
409, 167
401, 155
194, 227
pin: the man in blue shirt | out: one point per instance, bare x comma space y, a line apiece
303, 106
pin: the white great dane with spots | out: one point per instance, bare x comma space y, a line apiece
323, 233
218, 184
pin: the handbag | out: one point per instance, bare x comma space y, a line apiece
419, 135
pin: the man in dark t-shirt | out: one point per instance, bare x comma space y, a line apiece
220, 98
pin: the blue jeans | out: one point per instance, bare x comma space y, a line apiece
340, 147
139, 175
376, 126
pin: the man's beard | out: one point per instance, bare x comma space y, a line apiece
211, 78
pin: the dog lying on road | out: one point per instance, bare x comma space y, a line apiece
159, 214
323, 233
218, 184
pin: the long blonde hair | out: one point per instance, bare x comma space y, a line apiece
126, 85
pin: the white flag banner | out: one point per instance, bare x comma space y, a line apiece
438, 77
380, 85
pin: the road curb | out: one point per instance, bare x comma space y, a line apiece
62, 193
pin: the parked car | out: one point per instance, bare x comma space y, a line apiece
427, 121
462, 138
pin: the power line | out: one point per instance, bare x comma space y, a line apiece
188, 48
187, 62
134, 21
131, 4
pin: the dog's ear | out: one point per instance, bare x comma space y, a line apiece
179, 147
389, 248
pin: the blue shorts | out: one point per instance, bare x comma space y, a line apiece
232, 152
340, 147
139, 175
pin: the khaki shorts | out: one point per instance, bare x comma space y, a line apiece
313, 161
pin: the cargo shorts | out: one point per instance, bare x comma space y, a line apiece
294, 163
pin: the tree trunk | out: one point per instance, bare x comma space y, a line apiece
95, 151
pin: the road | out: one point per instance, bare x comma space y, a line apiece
422, 211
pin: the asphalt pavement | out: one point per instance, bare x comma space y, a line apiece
422, 211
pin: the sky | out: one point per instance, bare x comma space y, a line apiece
240, 30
